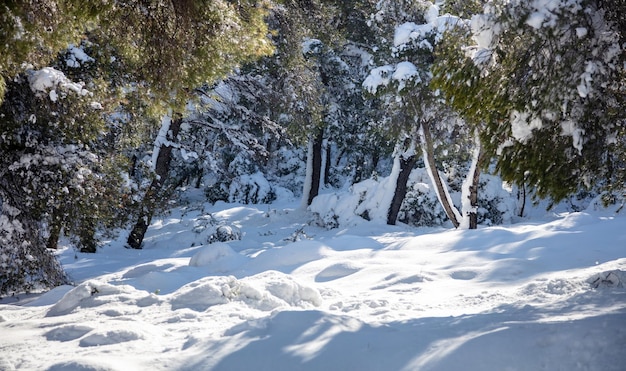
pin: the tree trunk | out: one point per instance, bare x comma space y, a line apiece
316, 166
327, 164
523, 202
154, 192
440, 188
55, 230
406, 166
473, 196
469, 190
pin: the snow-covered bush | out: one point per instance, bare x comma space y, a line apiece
216, 230
251, 189
366, 200
225, 233
421, 207
495, 204
330, 220
289, 169
216, 192
25, 263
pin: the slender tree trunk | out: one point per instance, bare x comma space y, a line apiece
473, 215
521, 211
154, 192
440, 188
327, 164
406, 166
469, 189
316, 167
473, 196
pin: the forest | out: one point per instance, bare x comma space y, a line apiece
457, 113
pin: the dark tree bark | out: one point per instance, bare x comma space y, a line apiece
521, 194
327, 165
406, 166
317, 166
154, 192
55, 230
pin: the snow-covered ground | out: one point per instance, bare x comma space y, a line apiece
542, 294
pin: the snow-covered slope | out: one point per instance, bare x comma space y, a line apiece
540, 295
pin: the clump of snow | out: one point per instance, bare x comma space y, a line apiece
431, 13
48, 80
77, 57
266, 291
203, 293
522, 125
405, 71
86, 295
379, 76
484, 30
536, 19
586, 79
409, 31
569, 128
218, 256
161, 139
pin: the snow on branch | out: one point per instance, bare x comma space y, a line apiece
50, 80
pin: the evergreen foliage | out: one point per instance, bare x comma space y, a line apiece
546, 84
60, 139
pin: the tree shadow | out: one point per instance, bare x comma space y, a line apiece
563, 338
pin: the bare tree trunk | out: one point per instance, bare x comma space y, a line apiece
406, 166
441, 189
521, 194
473, 196
316, 166
154, 192
327, 164
469, 189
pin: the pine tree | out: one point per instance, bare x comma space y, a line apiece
546, 84
404, 76
59, 134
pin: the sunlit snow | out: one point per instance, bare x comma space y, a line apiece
545, 293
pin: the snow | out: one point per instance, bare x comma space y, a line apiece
545, 293
161, 139
379, 76
522, 125
569, 128
48, 80
400, 73
466, 203
536, 19
436, 25
76, 57
405, 71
